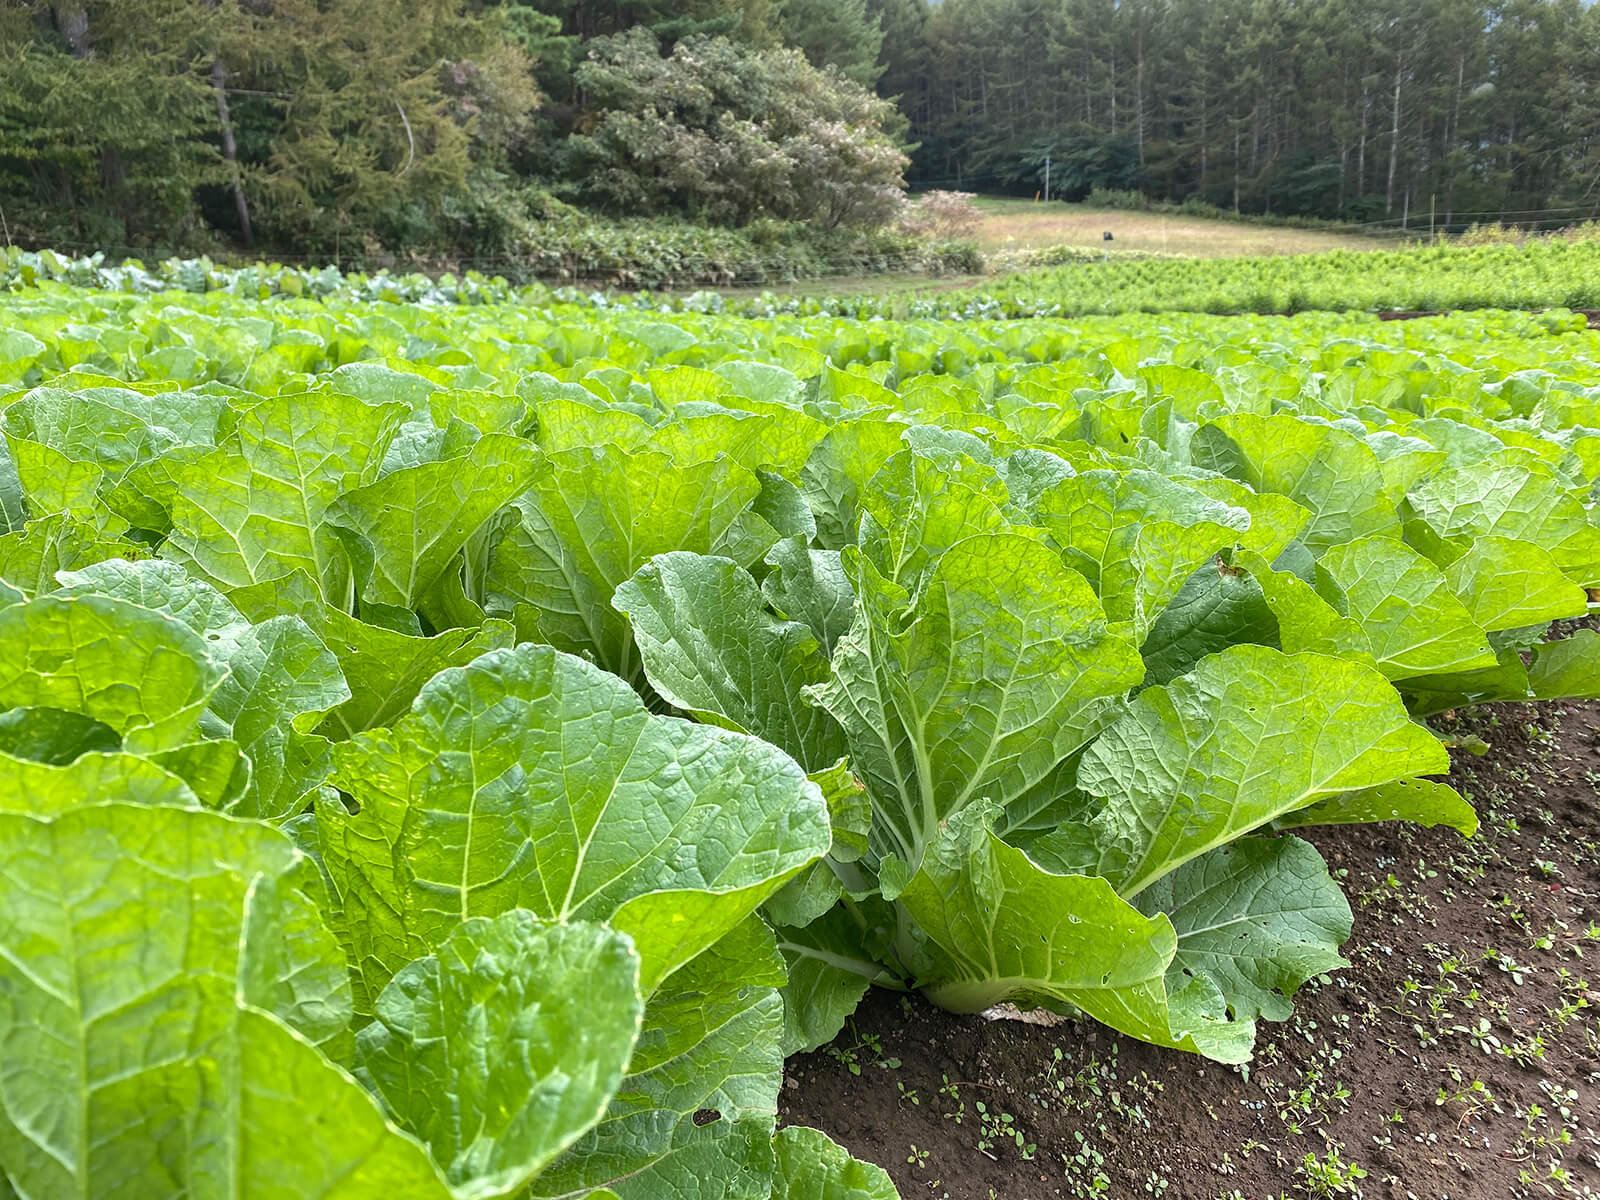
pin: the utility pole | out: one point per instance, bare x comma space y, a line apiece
1047, 179
1433, 199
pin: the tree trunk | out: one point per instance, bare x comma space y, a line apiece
230, 150
1394, 137
1343, 136
1361, 151
1138, 98
1454, 140
1236, 166
1113, 93
73, 23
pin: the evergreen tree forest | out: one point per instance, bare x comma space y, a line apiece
325, 126
1356, 109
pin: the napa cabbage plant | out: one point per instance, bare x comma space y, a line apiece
1046, 827
509, 730
516, 954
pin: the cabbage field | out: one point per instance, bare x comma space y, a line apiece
458, 742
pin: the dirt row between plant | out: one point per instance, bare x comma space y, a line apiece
1456, 1058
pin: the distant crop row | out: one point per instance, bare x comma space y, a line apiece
1551, 273
462, 749
1542, 274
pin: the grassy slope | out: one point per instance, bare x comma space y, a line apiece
1013, 224
1010, 223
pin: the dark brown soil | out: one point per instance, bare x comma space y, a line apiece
1457, 1058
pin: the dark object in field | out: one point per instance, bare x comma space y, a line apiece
1106, 236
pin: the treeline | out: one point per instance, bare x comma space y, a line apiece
1357, 109
486, 129
466, 127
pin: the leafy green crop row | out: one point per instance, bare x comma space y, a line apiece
461, 750
1551, 273
20, 269
1540, 274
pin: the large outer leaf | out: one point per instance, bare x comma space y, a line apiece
1421, 800
532, 779
422, 442
117, 430
19, 350
1217, 607
253, 509
1506, 495
1329, 471
1000, 928
810, 586
1506, 680
919, 505
1275, 520
30, 558
129, 936
711, 648
1255, 918
816, 889
42, 790
385, 670
215, 768
779, 441
1410, 617
114, 427
1306, 621
593, 519
1568, 669
831, 962
55, 483
1136, 536
167, 587
1250, 735
812, 1166
141, 672
836, 474
1243, 927
379, 383
506, 1046
13, 505
1510, 584
1003, 669
54, 735
280, 680
306, 1128
147, 491
695, 1115
417, 519
571, 417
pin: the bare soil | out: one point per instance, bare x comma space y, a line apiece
1456, 1058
